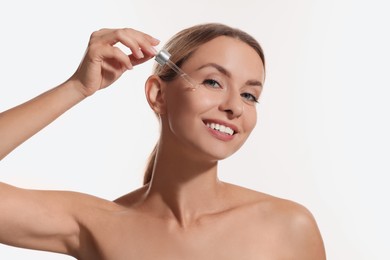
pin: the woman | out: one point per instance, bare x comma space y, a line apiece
183, 211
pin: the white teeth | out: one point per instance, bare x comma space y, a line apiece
221, 128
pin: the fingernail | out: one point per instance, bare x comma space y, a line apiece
153, 50
140, 55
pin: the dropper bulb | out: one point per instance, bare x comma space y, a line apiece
162, 57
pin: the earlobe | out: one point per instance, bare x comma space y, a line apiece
154, 94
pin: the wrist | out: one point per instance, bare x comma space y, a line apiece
77, 88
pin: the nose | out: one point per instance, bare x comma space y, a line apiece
232, 104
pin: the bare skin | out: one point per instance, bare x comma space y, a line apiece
185, 212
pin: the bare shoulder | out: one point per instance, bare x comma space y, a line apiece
289, 223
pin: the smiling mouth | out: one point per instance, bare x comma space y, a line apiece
221, 128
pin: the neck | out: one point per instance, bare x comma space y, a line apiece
183, 187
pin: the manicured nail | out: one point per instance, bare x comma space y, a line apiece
139, 54
153, 50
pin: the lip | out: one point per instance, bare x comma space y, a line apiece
219, 135
221, 122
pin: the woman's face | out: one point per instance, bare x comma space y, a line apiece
216, 118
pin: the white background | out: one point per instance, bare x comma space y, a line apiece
322, 138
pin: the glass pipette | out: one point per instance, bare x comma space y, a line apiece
162, 58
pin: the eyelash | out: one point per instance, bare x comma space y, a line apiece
247, 96
211, 82
250, 97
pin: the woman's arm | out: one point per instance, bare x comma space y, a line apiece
47, 220
20, 123
50, 220
39, 220
102, 65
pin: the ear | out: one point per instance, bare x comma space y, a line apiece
154, 94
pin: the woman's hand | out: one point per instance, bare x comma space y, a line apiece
102, 65
104, 62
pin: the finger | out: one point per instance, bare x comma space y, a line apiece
135, 61
112, 36
151, 39
102, 31
105, 36
134, 45
138, 42
142, 36
147, 47
135, 41
116, 54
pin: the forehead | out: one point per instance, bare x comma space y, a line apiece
233, 54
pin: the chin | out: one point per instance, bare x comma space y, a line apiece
217, 154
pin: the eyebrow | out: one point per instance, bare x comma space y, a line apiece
224, 71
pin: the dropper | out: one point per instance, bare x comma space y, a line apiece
163, 58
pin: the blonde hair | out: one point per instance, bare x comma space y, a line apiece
182, 45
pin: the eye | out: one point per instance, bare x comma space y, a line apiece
249, 97
211, 83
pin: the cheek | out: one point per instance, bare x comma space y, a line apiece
251, 119
183, 109
202, 101
184, 103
